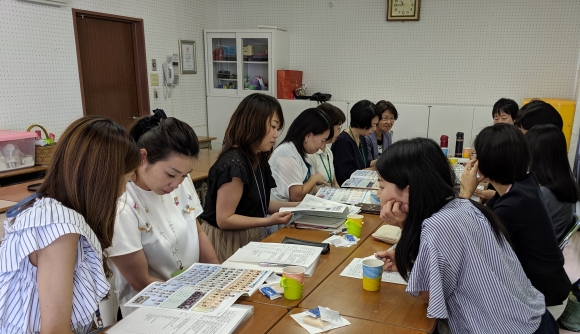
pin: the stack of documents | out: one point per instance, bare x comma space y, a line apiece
258, 255
162, 321
348, 196
364, 179
320, 214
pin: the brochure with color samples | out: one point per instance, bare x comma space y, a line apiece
203, 288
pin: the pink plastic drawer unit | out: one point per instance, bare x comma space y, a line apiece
16, 149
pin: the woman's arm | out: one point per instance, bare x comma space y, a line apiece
228, 198
206, 251
298, 192
424, 296
135, 269
334, 182
55, 265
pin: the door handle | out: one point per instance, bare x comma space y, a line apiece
134, 117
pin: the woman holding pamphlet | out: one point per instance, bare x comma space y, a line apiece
156, 232
454, 253
238, 208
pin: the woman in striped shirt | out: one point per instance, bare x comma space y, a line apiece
52, 267
454, 252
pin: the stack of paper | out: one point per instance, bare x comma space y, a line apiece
161, 321
348, 196
256, 255
318, 213
365, 179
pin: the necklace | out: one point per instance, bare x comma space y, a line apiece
174, 248
329, 170
359, 148
263, 201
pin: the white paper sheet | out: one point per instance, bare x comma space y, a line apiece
162, 321
354, 269
313, 330
256, 252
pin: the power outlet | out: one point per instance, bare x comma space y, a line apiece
154, 64
154, 79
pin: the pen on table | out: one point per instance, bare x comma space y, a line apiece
337, 232
270, 264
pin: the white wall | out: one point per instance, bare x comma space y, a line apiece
461, 52
39, 80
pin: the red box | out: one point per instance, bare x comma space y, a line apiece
288, 81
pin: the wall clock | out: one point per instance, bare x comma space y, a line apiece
403, 10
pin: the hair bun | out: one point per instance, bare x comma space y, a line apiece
153, 120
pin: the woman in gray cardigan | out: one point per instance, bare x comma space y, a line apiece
379, 140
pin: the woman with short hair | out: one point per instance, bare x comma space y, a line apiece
503, 156
351, 150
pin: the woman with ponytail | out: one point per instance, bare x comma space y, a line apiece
52, 266
157, 235
454, 253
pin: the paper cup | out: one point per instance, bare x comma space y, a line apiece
353, 228
372, 274
358, 219
292, 289
294, 272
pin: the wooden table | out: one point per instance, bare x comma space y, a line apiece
205, 142
327, 264
15, 193
264, 318
289, 326
205, 160
390, 305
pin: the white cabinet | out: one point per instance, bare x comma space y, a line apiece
241, 62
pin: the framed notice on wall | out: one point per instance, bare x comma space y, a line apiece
187, 59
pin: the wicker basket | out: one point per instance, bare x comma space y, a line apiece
42, 154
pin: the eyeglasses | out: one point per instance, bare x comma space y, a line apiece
391, 120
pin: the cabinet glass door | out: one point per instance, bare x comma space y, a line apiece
224, 69
256, 62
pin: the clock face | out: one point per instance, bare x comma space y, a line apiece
402, 7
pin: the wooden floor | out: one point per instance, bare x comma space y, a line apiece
572, 265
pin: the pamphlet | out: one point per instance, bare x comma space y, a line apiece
203, 288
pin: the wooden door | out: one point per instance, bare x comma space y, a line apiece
112, 66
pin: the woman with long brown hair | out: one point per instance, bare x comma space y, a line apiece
238, 204
52, 265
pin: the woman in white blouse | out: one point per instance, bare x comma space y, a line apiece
156, 233
52, 264
293, 175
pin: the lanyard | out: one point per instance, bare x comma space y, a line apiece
364, 159
308, 172
263, 200
329, 170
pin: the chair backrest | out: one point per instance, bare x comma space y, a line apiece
574, 228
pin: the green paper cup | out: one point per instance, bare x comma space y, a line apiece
353, 228
292, 289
